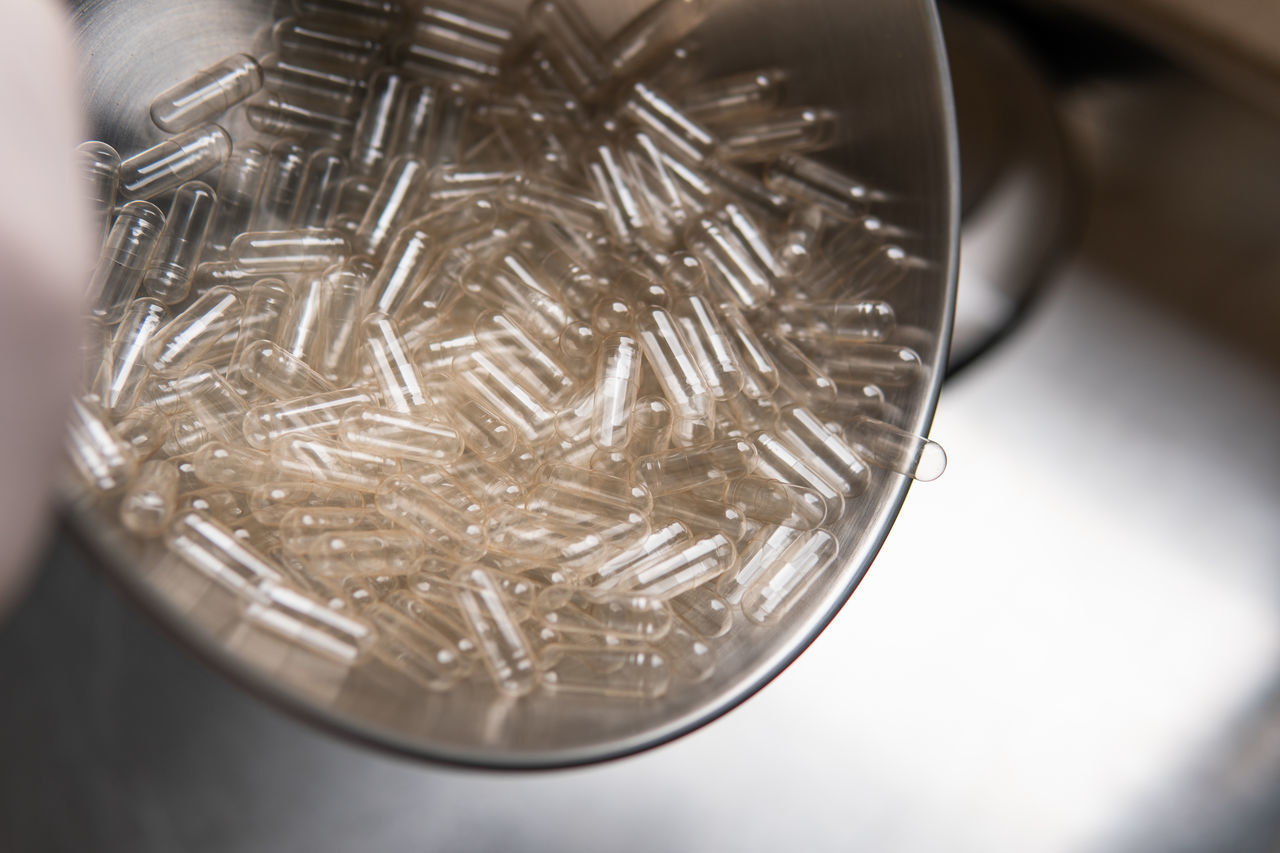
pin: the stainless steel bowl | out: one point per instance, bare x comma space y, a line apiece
879, 62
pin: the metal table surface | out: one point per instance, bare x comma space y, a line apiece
1069, 642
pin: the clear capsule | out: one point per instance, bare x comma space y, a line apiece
617, 384
423, 655
144, 430
623, 615
393, 433
702, 612
778, 502
173, 263
102, 458
825, 449
270, 502
320, 190
184, 340
388, 357
281, 375
373, 139
451, 519
213, 549
330, 462
318, 414
570, 44
124, 367
410, 255
669, 125
215, 405
779, 460
706, 516
309, 623
171, 163
151, 498
761, 139
100, 166
889, 365
613, 673
734, 96
483, 431
206, 94
130, 244
798, 375
239, 186
534, 536
812, 182
221, 464
330, 90
688, 468
785, 581
398, 194
504, 647
734, 270
272, 252
438, 49
322, 44
675, 367
539, 196
887, 446
281, 183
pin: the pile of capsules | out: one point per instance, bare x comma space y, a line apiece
495, 351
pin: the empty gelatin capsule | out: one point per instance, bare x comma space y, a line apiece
269, 502
145, 429
617, 383
410, 255
785, 581
732, 267
536, 537
676, 369
309, 623
124, 368
397, 196
101, 169
798, 375
447, 516
889, 365
373, 139
129, 247
817, 183
887, 446
317, 414
215, 405
688, 468
616, 490
418, 652
394, 551
756, 558
334, 354
206, 94
498, 383
441, 51
570, 43
388, 357
103, 459
625, 616
281, 375
651, 426
303, 530
149, 502
331, 462
761, 139
778, 460
417, 114
271, 252
734, 95
778, 502
320, 191
333, 91
703, 612
374, 16
616, 526
226, 506
825, 449
614, 673
482, 429
713, 348
322, 44
623, 214
264, 307
705, 516
503, 645
239, 185
173, 263
670, 127
837, 322
407, 437
539, 196
221, 464
698, 562
689, 655
213, 549
281, 184
185, 339
171, 163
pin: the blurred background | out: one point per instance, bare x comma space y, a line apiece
1071, 642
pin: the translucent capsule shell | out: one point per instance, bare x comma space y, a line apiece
688, 468
173, 162
173, 263
505, 649
268, 252
676, 369
206, 94
213, 549
130, 244
331, 462
613, 673
317, 414
102, 458
185, 339
151, 498
397, 434
450, 518
125, 369
783, 583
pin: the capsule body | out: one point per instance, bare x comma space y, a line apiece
171, 163
125, 256
173, 264
206, 94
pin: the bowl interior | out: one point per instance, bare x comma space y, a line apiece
879, 62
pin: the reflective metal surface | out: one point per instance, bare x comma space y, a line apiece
879, 62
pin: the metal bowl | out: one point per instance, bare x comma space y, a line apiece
880, 62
